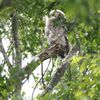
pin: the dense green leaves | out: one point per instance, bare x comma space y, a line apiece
81, 81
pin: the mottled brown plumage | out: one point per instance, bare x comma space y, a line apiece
55, 31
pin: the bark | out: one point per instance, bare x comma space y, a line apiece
17, 56
16, 40
60, 71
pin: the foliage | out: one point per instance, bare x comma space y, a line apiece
81, 80
79, 83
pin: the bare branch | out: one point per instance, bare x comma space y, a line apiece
40, 79
50, 52
6, 58
42, 75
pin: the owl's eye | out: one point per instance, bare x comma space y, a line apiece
51, 15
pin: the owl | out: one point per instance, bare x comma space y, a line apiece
56, 31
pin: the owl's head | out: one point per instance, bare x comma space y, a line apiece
56, 13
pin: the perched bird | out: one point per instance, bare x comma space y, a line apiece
56, 31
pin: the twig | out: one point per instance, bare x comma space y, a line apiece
5, 55
40, 37
42, 75
52, 68
40, 79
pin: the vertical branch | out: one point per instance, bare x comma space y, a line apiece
40, 79
42, 75
16, 40
16, 54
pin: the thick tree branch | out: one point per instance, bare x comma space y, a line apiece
48, 53
60, 71
57, 76
17, 54
16, 40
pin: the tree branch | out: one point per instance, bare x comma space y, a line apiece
16, 40
48, 53
40, 79
60, 71
57, 76
17, 55
2, 50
